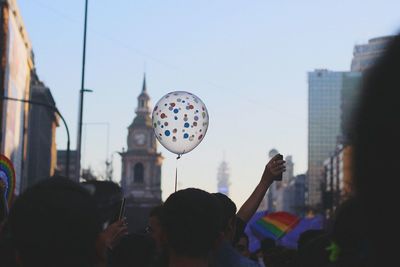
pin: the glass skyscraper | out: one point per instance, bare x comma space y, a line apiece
331, 95
365, 55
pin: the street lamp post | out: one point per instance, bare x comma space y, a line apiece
55, 109
82, 92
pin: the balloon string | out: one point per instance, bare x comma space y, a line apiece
176, 172
176, 178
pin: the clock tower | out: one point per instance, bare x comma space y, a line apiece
141, 163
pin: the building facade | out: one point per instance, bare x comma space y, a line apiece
141, 165
328, 112
15, 70
43, 121
365, 55
294, 195
337, 184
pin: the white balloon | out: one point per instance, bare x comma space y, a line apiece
180, 121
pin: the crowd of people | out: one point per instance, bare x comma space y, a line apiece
62, 223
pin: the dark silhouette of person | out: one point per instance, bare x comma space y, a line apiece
375, 136
242, 245
54, 223
191, 223
307, 236
154, 230
226, 254
233, 224
133, 250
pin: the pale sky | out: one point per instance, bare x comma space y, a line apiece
247, 60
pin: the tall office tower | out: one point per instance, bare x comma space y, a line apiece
288, 175
366, 54
223, 178
294, 195
330, 99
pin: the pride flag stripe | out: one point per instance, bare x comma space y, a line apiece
7, 168
275, 224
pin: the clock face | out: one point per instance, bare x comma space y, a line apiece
140, 139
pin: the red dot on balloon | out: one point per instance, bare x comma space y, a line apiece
191, 107
163, 116
166, 123
201, 136
172, 104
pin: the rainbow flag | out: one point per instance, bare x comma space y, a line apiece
7, 175
275, 225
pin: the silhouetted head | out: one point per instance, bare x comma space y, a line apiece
191, 221
154, 226
108, 196
54, 223
228, 215
349, 234
376, 151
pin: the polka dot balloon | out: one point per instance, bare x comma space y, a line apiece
180, 121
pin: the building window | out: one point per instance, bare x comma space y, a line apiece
141, 103
138, 173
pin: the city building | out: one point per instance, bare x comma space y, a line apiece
331, 97
223, 178
62, 162
294, 196
288, 175
281, 202
141, 166
43, 121
348, 101
15, 72
337, 184
365, 55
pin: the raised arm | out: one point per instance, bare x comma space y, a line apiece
273, 168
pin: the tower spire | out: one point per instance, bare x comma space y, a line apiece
144, 89
143, 99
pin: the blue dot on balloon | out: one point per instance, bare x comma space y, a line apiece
186, 125
167, 133
176, 110
185, 135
